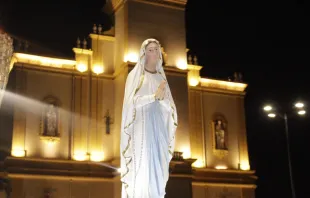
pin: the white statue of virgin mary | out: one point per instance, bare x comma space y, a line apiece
149, 122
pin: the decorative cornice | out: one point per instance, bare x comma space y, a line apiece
219, 91
176, 4
64, 66
225, 171
60, 168
82, 51
34, 67
214, 177
223, 85
43, 61
251, 186
102, 37
116, 4
232, 177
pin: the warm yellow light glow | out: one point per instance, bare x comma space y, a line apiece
181, 64
97, 156
244, 166
299, 105
193, 75
271, 115
119, 170
50, 148
302, 112
82, 57
98, 69
82, 51
198, 163
221, 167
81, 67
44, 61
131, 57
50, 142
13, 61
267, 108
18, 146
193, 81
186, 152
102, 37
18, 153
219, 84
49, 139
80, 156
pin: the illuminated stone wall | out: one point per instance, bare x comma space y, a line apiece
159, 22
77, 135
62, 187
179, 91
207, 190
224, 101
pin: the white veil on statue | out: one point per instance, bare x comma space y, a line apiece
133, 84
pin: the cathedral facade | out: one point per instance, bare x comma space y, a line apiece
64, 115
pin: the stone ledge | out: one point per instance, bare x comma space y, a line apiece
33, 166
224, 176
177, 4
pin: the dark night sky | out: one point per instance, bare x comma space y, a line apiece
267, 42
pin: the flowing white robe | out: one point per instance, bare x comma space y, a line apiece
147, 132
150, 141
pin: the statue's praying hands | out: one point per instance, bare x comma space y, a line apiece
161, 90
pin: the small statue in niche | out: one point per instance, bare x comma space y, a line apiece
220, 142
107, 122
50, 121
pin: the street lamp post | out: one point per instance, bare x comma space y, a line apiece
289, 156
272, 114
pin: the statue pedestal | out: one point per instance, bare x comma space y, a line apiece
180, 180
179, 186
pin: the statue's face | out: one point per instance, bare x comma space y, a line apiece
152, 53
